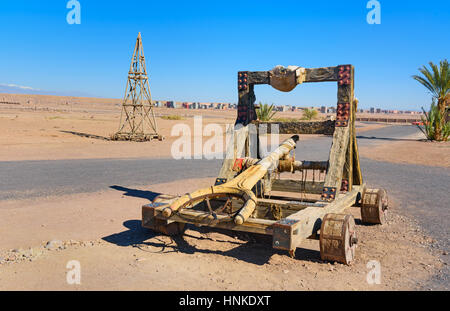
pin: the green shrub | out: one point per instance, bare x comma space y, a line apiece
309, 114
172, 117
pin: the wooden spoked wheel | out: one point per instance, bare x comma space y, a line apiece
338, 238
374, 205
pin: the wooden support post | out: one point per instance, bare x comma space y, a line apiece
246, 104
347, 180
341, 136
235, 149
357, 174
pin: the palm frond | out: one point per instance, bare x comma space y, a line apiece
265, 112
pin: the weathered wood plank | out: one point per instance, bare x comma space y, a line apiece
258, 77
312, 75
348, 167
246, 112
278, 209
345, 93
287, 185
337, 157
321, 74
357, 174
341, 140
235, 149
307, 221
254, 225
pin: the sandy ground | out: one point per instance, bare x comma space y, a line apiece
52, 133
56, 135
102, 231
411, 152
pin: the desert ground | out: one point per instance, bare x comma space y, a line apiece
69, 193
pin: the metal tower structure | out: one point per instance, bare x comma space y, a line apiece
137, 120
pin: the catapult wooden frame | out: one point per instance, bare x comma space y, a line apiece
237, 202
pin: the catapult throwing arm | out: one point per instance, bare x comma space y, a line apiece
240, 186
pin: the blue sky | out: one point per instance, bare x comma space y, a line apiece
195, 48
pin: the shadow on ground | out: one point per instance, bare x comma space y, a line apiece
388, 138
251, 248
144, 194
86, 135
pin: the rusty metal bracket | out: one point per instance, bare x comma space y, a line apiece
344, 185
345, 75
243, 80
328, 193
342, 114
220, 181
283, 231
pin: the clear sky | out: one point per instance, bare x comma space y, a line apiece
195, 48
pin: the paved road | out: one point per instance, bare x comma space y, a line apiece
422, 190
30, 179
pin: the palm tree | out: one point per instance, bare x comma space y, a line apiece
265, 112
437, 81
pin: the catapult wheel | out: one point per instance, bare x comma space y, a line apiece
338, 238
374, 204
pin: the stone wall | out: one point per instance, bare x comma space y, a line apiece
302, 127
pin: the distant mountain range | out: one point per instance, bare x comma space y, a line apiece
18, 89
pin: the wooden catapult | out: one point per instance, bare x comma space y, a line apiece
249, 195
137, 120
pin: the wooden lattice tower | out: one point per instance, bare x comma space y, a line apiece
137, 120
